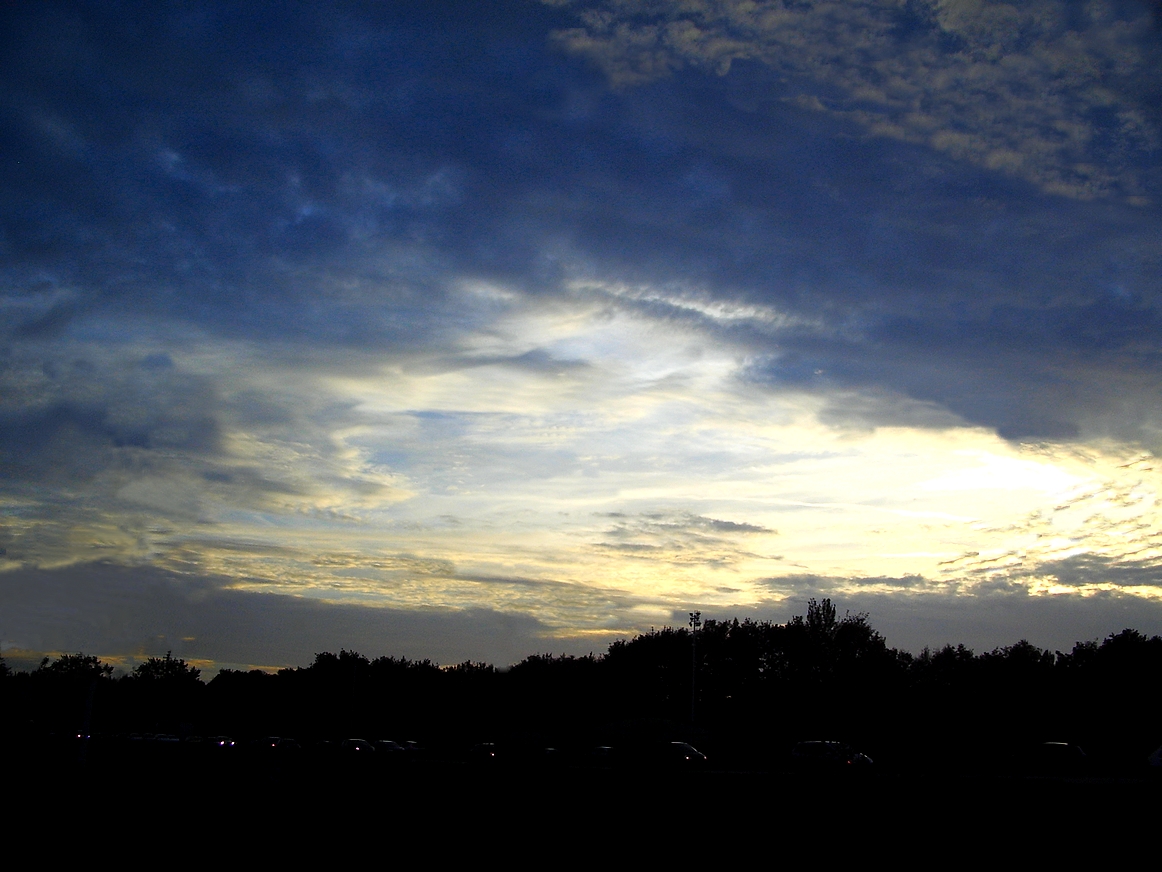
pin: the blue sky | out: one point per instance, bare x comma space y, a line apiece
462, 330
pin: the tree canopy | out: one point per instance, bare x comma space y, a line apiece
168, 669
74, 667
817, 674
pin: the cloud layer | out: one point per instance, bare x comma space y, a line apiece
558, 320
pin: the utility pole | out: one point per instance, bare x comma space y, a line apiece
695, 623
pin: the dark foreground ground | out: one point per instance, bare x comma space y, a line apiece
417, 812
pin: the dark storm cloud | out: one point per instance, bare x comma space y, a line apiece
1090, 569
1020, 394
74, 418
283, 171
360, 127
940, 269
103, 609
187, 158
85, 432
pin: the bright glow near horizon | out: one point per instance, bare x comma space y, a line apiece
549, 487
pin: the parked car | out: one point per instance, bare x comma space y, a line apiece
828, 757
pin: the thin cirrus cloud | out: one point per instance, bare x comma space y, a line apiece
570, 317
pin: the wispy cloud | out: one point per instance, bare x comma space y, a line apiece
1054, 92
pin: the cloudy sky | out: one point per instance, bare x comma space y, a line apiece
472, 330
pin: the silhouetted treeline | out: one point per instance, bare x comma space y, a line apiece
742, 690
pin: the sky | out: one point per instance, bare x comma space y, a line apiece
467, 331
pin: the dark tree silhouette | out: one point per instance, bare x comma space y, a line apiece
821, 621
65, 691
168, 670
164, 694
74, 667
761, 687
